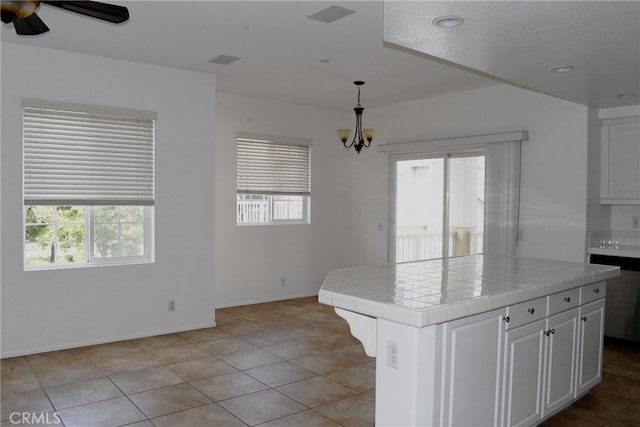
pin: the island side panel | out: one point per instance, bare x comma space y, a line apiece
407, 394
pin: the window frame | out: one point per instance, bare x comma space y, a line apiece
90, 259
61, 144
271, 193
446, 156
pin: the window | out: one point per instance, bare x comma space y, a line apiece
273, 180
88, 185
495, 190
439, 207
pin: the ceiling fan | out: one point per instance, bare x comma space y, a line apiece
27, 23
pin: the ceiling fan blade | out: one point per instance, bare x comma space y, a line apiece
32, 25
103, 11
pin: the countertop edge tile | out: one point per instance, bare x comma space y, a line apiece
501, 282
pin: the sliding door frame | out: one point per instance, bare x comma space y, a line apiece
393, 193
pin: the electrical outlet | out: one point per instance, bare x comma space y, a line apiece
172, 305
635, 222
393, 355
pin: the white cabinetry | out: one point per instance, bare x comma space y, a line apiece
539, 368
620, 162
524, 364
471, 371
559, 379
590, 345
519, 365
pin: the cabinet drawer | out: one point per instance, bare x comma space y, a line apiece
592, 292
563, 301
525, 312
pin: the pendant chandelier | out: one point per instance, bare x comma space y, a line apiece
361, 137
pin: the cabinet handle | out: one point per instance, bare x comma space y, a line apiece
567, 299
553, 331
506, 319
584, 318
531, 310
596, 290
547, 332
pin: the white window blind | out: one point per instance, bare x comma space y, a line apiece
86, 155
276, 166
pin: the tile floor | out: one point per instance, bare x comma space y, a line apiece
287, 363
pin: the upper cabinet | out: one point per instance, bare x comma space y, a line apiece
620, 167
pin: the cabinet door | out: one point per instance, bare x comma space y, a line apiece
524, 362
624, 161
471, 370
590, 345
561, 346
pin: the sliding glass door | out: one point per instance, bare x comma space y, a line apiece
439, 207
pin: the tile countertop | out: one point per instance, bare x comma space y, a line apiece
424, 293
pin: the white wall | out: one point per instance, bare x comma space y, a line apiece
251, 260
554, 164
44, 310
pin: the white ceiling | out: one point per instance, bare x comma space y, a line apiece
281, 49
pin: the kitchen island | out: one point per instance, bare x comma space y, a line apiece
475, 340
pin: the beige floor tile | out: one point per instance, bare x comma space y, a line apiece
182, 353
145, 423
145, 379
54, 358
621, 385
604, 403
280, 373
207, 415
243, 328
354, 411
621, 423
67, 373
206, 334
306, 419
575, 417
631, 413
320, 363
359, 378
81, 392
14, 364
262, 406
111, 349
224, 346
265, 338
125, 363
293, 349
249, 358
106, 413
159, 341
166, 400
315, 391
14, 382
34, 401
200, 368
223, 317
227, 386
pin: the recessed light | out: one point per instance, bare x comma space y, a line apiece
626, 95
448, 21
563, 68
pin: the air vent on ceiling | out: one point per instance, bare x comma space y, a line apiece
331, 14
224, 59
